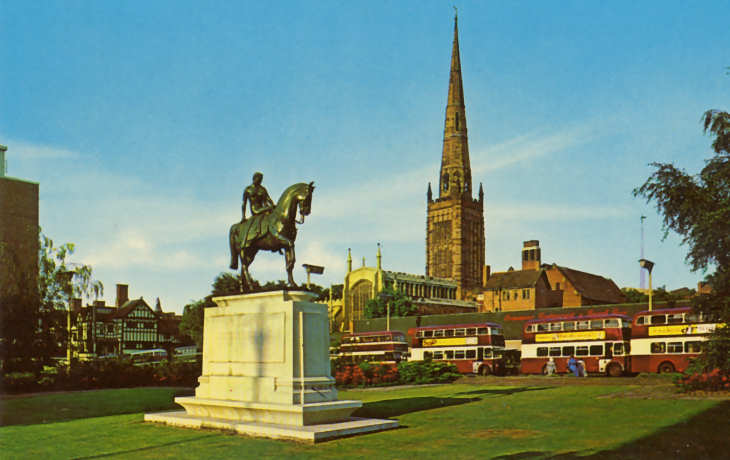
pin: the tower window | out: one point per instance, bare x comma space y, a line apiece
456, 121
445, 181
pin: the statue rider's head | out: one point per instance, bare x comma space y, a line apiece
258, 178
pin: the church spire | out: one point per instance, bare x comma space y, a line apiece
455, 180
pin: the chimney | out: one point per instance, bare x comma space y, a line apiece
487, 273
3, 149
122, 294
531, 255
75, 305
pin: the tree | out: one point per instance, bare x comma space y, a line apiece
400, 305
697, 207
192, 321
33, 319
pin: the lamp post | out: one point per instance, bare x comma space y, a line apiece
387, 298
65, 280
316, 269
648, 265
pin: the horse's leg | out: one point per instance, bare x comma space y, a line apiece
246, 259
290, 259
234, 247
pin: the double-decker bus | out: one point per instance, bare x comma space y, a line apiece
378, 347
602, 342
473, 348
666, 340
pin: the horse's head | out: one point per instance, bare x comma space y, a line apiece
304, 198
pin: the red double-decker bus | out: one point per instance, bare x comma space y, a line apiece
602, 342
377, 347
666, 340
473, 348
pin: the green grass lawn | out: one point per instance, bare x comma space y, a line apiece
446, 421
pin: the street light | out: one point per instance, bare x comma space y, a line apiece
316, 269
387, 298
648, 265
65, 279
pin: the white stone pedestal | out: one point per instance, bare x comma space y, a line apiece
266, 372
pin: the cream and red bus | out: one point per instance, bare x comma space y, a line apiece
473, 348
376, 347
666, 340
601, 341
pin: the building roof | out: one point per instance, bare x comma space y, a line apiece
401, 276
514, 279
592, 286
130, 305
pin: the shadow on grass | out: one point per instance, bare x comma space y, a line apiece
503, 392
704, 436
394, 407
142, 449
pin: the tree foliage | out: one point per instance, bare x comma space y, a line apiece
400, 305
33, 318
192, 320
697, 207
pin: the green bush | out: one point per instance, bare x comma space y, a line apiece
103, 373
420, 372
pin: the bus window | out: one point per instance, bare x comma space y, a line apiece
556, 326
438, 355
569, 325
438, 333
428, 333
528, 328
471, 331
496, 331
459, 354
658, 319
542, 327
449, 354
693, 318
555, 351
596, 350
427, 355
583, 325
692, 347
449, 333
618, 348
611, 323
658, 347
497, 353
568, 351
675, 319
471, 353
674, 347
460, 332
597, 324
541, 351
488, 352
581, 351
482, 331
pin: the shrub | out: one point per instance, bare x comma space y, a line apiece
420, 372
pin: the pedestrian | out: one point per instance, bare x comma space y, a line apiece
573, 366
550, 366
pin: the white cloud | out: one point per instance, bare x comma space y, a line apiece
31, 151
528, 147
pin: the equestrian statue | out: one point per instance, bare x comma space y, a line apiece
271, 227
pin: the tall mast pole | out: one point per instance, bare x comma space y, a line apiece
642, 283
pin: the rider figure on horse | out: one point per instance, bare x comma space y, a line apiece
261, 204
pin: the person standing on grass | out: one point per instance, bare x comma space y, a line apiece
550, 366
573, 366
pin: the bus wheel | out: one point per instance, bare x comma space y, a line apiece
614, 370
666, 368
484, 370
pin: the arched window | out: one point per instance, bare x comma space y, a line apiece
359, 295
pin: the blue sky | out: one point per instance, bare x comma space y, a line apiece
143, 121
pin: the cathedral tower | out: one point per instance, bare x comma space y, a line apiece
455, 222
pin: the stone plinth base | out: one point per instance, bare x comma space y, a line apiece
281, 414
308, 433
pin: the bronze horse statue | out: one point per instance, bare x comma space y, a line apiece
272, 231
